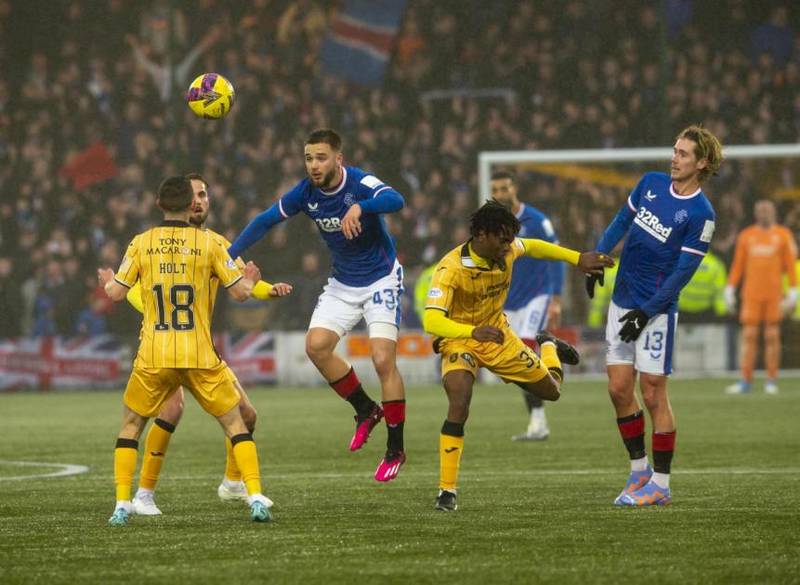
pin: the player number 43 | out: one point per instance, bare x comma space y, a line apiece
386, 297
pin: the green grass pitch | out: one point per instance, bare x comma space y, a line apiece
528, 512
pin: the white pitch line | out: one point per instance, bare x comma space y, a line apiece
64, 469
473, 474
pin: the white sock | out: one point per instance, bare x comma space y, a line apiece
232, 483
660, 479
143, 492
639, 464
537, 415
125, 505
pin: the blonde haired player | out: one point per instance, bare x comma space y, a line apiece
175, 263
464, 310
231, 488
667, 223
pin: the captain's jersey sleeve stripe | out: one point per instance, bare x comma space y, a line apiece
692, 251
630, 204
280, 208
381, 189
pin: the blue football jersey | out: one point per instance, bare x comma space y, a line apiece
364, 259
663, 225
532, 277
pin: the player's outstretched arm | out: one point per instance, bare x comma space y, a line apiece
241, 290
256, 230
265, 291
589, 262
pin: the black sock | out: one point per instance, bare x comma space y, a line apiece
532, 401
394, 441
361, 402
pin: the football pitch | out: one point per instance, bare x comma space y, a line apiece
528, 512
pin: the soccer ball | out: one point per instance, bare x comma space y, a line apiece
210, 96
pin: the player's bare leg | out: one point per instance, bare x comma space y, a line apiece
747, 359
772, 356
155, 449
384, 358
630, 421
656, 490
244, 450
232, 488
320, 346
125, 464
458, 387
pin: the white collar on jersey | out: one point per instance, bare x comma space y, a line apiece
676, 195
340, 186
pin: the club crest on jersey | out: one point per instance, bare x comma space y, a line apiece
681, 215
650, 223
349, 200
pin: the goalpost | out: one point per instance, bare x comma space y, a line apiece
612, 173
487, 159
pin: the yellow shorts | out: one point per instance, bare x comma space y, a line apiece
213, 388
513, 361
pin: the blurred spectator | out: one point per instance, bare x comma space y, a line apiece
465, 77
10, 300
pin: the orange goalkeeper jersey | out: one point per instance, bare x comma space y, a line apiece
762, 257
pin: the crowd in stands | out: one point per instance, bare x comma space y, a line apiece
568, 73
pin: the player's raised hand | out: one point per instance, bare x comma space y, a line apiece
594, 262
280, 289
105, 275
252, 272
488, 333
351, 222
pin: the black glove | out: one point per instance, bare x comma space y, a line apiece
635, 322
437, 341
591, 280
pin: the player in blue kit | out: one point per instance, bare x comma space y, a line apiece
534, 299
367, 282
669, 223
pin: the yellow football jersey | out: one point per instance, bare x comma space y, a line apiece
179, 267
470, 293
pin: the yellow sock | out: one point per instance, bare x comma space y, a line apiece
450, 448
244, 450
231, 469
551, 361
155, 447
124, 467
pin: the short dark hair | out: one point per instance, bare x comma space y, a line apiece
493, 218
175, 194
196, 177
504, 174
325, 136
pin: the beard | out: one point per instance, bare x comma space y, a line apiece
198, 219
327, 179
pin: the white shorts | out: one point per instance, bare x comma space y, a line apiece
529, 320
340, 307
652, 352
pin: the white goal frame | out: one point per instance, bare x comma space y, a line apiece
608, 155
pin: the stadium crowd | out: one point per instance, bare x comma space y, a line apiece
101, 88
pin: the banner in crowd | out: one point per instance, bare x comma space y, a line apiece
52, 362
251, 356
360, 40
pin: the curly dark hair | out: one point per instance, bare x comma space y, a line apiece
493, 218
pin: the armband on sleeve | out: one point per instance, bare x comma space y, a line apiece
261, 291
